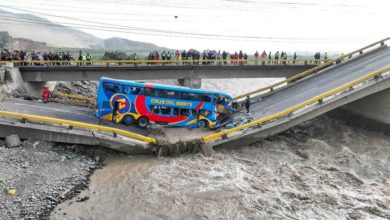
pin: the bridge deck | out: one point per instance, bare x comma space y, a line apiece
328, 79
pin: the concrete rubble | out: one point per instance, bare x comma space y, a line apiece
12, 141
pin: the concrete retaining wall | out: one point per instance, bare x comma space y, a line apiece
12, 84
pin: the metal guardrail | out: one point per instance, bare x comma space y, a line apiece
77, 124
283, 113
313, 70
173, 62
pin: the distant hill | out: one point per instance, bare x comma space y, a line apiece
58, 36
46, 31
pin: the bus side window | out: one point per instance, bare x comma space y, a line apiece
149, 92
108, 87
184, 112
205, 98
191, 96
135, 91
126, 89
154, 109
171, 94
165, 110
117, 88
176, 111
194, 113
161, 93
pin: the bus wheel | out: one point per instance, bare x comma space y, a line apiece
202, 123
128, 120
143, 122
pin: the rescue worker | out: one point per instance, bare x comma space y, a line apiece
247, 103
45, 94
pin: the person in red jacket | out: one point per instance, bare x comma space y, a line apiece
45, 94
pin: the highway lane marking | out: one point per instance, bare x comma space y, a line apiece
51, 109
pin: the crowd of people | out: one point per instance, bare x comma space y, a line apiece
29, 58
184, 57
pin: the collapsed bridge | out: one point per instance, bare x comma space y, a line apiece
353, 77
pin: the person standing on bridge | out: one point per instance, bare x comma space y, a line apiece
247, 104
294, 57
224, 56
269, 57
263, 56
88, 58
257, 57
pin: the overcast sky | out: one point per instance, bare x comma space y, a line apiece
290, 25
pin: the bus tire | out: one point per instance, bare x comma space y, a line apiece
202, 124
128, 120
143, 122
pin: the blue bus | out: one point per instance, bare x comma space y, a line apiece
130, 102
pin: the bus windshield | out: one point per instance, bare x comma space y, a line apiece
130, 102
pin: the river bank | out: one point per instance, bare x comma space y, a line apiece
43, 175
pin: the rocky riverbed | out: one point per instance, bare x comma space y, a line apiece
36, 176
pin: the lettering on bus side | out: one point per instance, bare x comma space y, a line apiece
171, 102
162, 102
185, 104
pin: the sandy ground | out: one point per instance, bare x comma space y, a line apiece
322, 169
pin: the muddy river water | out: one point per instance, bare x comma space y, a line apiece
322, 169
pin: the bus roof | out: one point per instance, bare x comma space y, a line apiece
165, 87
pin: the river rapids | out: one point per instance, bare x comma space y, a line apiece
322, 169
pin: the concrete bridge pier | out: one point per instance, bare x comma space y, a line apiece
195, 83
